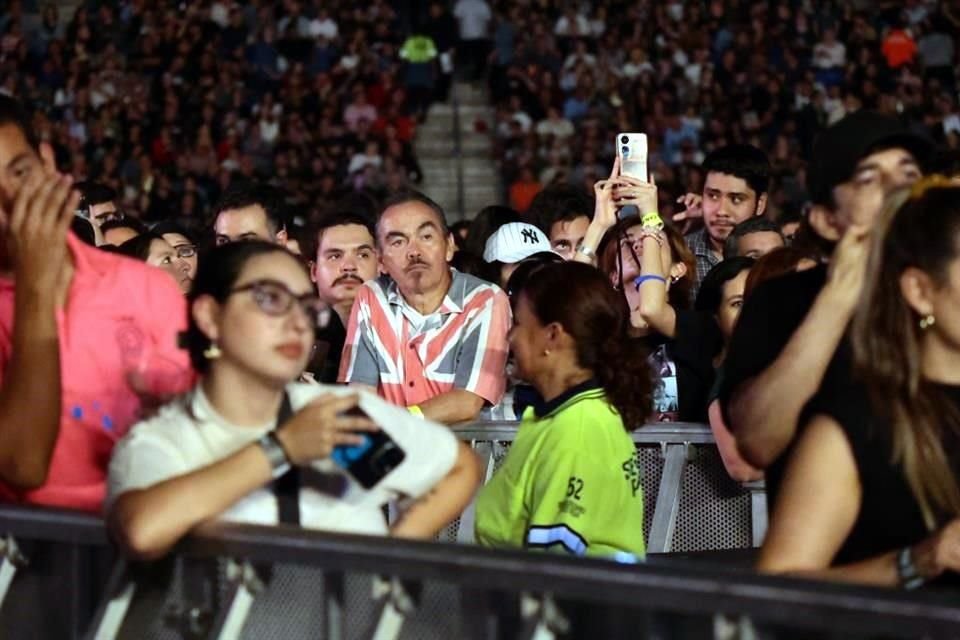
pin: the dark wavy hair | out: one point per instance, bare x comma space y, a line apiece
217, 275
594, 315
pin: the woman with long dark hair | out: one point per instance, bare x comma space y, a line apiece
651, 268
249, 444
871, 492
571, 480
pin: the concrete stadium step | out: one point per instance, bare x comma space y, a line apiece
435, 149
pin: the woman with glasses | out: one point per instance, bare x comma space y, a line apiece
650, 266
248, 444
154, 250
181, 241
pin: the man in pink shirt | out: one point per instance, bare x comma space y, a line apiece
85, 336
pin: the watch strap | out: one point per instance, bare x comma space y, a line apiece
907, 572
279, 462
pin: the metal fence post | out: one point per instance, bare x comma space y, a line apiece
245, 584
12, 560
116, 603
668, 499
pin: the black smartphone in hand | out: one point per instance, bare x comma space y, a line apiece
370, 461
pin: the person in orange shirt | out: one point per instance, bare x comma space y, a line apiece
524, 190
899, 47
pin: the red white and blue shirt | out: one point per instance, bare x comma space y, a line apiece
411, 358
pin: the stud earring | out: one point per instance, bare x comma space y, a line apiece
927, 322
212, 352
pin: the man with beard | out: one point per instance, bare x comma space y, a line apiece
426, 336
734, 191
346, 258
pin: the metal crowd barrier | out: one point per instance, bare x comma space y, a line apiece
289, 583
691, 504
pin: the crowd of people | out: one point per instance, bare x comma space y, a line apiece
257, 371
696, 76
168, 103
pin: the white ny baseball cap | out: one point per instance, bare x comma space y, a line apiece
514, 242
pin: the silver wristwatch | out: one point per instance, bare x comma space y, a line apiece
279, 462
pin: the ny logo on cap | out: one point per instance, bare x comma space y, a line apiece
529, 235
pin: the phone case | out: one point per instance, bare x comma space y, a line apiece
632, 151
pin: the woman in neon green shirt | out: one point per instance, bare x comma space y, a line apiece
572, 480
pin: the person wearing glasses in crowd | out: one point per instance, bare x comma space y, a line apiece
182, 242
652, 268
98, 202
153, 249
216, 451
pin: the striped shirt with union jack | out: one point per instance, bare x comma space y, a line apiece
411, 358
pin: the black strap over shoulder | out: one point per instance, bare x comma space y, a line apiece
287, 486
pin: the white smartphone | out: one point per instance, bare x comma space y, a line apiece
632, 151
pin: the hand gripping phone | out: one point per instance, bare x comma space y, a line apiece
371, 461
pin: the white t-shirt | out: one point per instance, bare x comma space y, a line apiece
474, 16
188, 434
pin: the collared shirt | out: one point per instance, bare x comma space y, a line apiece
571, 482
411, 358
118, 336
699, 243
189, 434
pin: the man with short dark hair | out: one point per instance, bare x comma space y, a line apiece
563, 212
425, 335
64, 403
734, 190
346, 258
116, 232
753, 238
247, 212
789, 340
98, 202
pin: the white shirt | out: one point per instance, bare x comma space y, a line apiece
474, 16
188, 434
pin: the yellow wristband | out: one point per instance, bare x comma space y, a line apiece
652, 219
415, 410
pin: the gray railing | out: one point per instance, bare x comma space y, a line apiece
690, 502
691, 505
429, 590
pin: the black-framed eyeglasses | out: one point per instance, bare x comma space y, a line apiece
275, 299
185, 251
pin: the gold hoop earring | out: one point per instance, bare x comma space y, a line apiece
212, 352
927, 322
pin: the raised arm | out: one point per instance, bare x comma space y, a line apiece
764, 418
30, 402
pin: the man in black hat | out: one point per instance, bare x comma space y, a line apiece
789, 339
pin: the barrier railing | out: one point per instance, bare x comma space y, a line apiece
429, 590
691, 503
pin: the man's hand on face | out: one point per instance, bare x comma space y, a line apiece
35, 231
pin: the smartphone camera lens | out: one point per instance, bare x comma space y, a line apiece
624, 139
625, 150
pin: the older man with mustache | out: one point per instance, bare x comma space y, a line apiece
426, 336
346, 258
